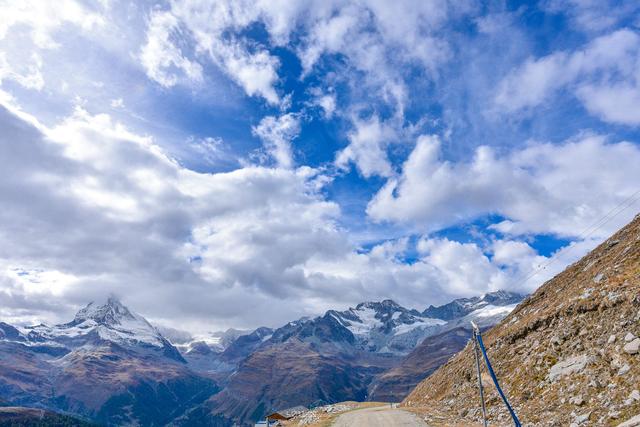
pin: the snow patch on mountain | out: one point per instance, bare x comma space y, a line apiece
492, 310
385, 326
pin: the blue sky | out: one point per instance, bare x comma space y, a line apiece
241, 163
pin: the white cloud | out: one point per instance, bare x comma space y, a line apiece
117, 103
367, 147
105, 210
614, 103
255, 72
327, 103
211, 26
42, 18
105, 207
92, 208
541, 188
30, 78
27, 29
603, 76
533, 82
365, 34
463, 266
593, 15
212, 150
277, 134
160, 56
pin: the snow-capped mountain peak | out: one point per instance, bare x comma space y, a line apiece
383, 306
385, 326
113, 312
111, 322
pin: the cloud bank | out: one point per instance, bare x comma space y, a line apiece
239, 163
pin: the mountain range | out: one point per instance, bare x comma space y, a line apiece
110, 365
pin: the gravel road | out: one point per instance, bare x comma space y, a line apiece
378, 417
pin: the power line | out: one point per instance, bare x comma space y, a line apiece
621, 207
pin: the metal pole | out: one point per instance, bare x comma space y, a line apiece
475, 353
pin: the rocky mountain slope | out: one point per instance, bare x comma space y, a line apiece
568, 355
142, 378
338, 357
396, 383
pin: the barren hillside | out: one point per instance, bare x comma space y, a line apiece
567, 354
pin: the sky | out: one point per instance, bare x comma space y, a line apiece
237, 163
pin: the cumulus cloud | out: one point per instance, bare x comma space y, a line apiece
277, 134
160, 56
103, 206
110, 210
210, 25
367, 148
541, 188
97, 209
603, 76
41, 19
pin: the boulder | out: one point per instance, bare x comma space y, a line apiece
568, 366
632, 347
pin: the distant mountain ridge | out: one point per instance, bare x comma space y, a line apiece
463, 306
340, 356
148, 380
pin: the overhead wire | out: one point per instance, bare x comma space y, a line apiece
617, 210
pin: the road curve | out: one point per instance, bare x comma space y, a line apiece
383, 416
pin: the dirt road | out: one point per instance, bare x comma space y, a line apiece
378, 417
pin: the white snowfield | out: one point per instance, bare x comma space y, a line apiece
485, 316
367, 322
386, 327
492, 310
393, 330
